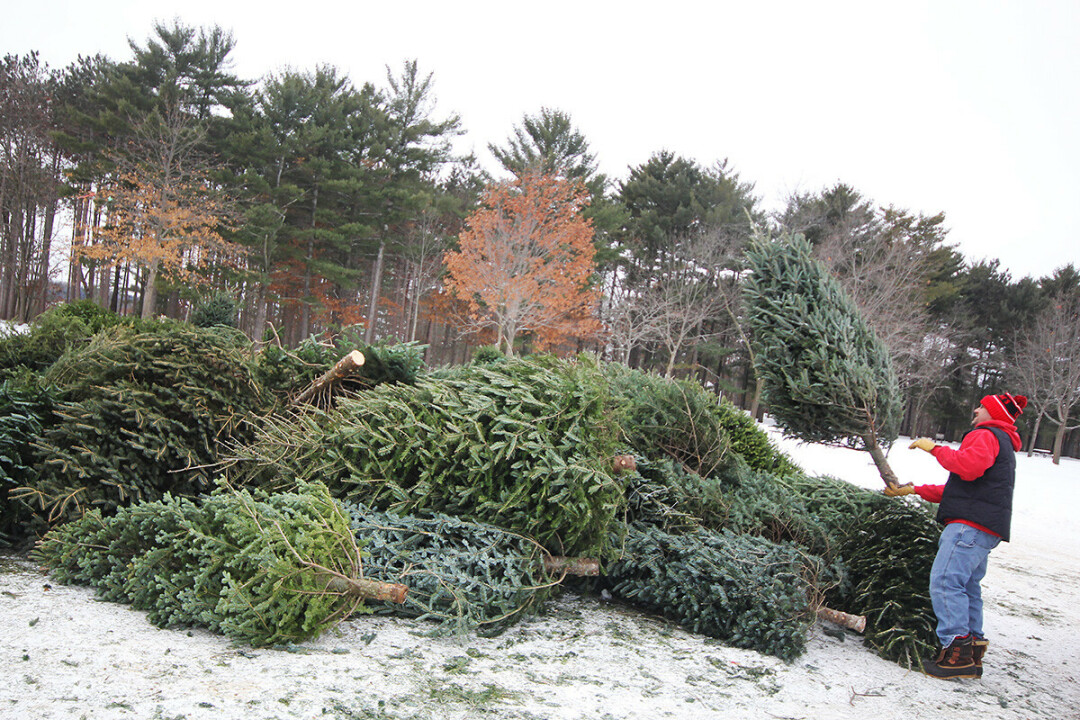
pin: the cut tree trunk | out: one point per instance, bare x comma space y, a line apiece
843, 619
367, 589
342, 369
880, 461
558, 565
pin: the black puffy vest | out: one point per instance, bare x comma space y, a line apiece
986, 500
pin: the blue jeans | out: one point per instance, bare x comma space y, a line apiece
954, 581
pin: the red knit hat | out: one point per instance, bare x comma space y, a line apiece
1004, 407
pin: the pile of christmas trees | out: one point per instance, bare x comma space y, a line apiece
182, 475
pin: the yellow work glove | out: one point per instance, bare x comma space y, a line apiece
923, 444
898, 490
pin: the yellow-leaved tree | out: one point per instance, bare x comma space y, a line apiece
525, 263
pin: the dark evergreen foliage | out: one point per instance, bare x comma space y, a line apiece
660, 417
26, 408
52, 333
220, 308
747, 591
771, 506
887, 549
140, 412
682, 420
488, 354
745, 501
877, 552
750, 443
666, 494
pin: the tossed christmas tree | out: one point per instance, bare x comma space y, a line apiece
827, 375
263, 569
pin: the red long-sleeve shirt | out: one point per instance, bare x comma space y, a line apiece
976, 454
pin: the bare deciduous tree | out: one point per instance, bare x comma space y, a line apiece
30, 165
1046, 366
427, 243
672, 310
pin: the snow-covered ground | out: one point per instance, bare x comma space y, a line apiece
65, 655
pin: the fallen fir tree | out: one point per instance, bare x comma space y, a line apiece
886, 550
465, 576
269, 569
264, 569
854, 531
525, 445
682, 421
136, 413
747, 591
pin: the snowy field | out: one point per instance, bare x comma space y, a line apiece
65, 655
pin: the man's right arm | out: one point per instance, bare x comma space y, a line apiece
930, 493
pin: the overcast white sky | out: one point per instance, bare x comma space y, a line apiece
967, 107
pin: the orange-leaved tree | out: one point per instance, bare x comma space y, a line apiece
525, 262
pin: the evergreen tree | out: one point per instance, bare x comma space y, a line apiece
686, 227
188, 67
828, 377
671, 199
896, 268
548, 143
419, 148
263, 569
314, 150
983, 319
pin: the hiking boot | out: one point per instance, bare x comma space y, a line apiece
954, 661
978, 649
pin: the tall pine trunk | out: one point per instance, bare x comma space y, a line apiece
305, 309
376, 284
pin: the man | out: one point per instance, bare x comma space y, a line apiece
975, 506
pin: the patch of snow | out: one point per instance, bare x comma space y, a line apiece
9, 328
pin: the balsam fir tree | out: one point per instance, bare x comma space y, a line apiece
828, 377
263, 569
